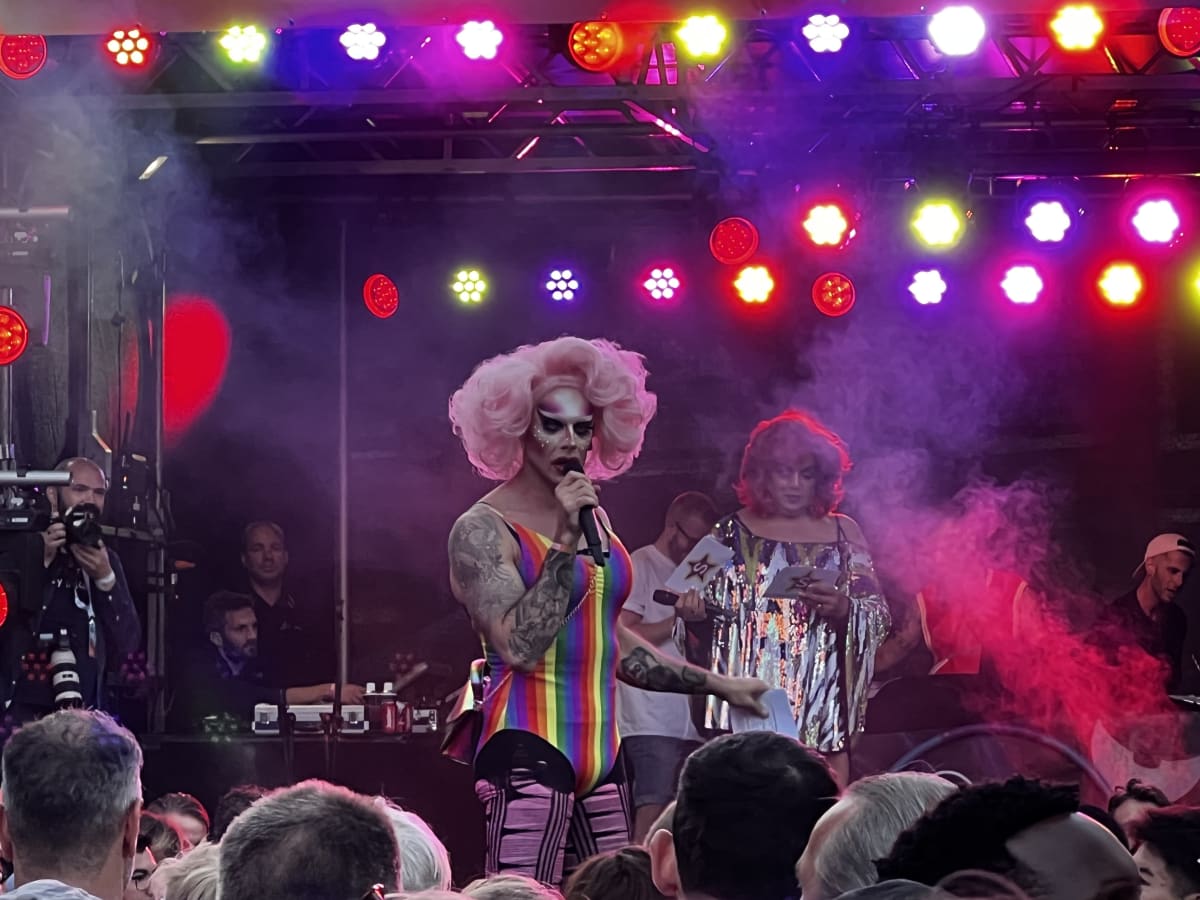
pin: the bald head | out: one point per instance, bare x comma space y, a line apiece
88, 485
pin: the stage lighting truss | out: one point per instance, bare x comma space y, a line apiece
614, 120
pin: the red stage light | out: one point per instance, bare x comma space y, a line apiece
596, 46
22, 55
129, 47
196, 341
833, 294
381, 295
14, 336
3, 604
1179, 30
733, 240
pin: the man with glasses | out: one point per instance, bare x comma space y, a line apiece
656, 729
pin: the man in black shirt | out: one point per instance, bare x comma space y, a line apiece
223, 676
292, 641
1148, 616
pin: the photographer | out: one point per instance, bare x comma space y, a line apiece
85, 593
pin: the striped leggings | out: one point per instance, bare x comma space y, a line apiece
536, 826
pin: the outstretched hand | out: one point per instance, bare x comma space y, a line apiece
746, 693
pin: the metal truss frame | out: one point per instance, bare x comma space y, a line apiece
1020, 106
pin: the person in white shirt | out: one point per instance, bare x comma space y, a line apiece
656, 729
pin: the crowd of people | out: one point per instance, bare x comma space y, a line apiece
756, 816
615, 722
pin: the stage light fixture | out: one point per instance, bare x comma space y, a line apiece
825, 34
1077, 27
381, 295
703, 36
827, 225
1156, 221
938, 223
957, 30
129, 47
1121, 284
14, 336
22, 55
562, 285
733, 240
1022, 284
244, 44
927, 287
469, 286
363, 42
1179, 30
1048, 221
833, 294
595, 46
661, 283
754, 284
480, 40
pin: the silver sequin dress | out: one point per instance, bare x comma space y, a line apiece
824, 666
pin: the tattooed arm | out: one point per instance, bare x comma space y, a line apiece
642, 666
519, 623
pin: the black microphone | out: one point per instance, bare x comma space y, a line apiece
587, 520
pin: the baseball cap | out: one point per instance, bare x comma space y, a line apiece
1165, 543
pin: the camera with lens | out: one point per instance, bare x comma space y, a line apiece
82, 523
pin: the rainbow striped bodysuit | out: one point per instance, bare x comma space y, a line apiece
569, 699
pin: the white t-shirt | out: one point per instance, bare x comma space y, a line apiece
651, 712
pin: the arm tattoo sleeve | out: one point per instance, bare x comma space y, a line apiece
495, 595
538, 616
645, 669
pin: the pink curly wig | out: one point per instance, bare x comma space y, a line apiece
786, 438
493, 410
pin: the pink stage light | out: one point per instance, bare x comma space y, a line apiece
1156, 221
480, 40
827, 225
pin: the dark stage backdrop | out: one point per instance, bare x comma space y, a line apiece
1087, 407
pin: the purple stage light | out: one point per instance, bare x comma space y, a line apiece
1156, 221
480, 40
927, 287
1022, 285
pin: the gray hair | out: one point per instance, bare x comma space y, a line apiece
273, 527
314, 841
875, 810
509, 887
69, 782
424, 860
195, 875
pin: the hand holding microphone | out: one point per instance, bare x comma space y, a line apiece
578, 497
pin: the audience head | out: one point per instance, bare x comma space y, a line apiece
314, 841
1168, 855
71, 790
1130, 803
619, 875
232, 624
1096, 814
665, 821
195, 876
185, 813
264, 552
162, 838
745, 808
424, 861
235, 801
861, 828
792, 466
1025, 831
509, 887
144, 865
